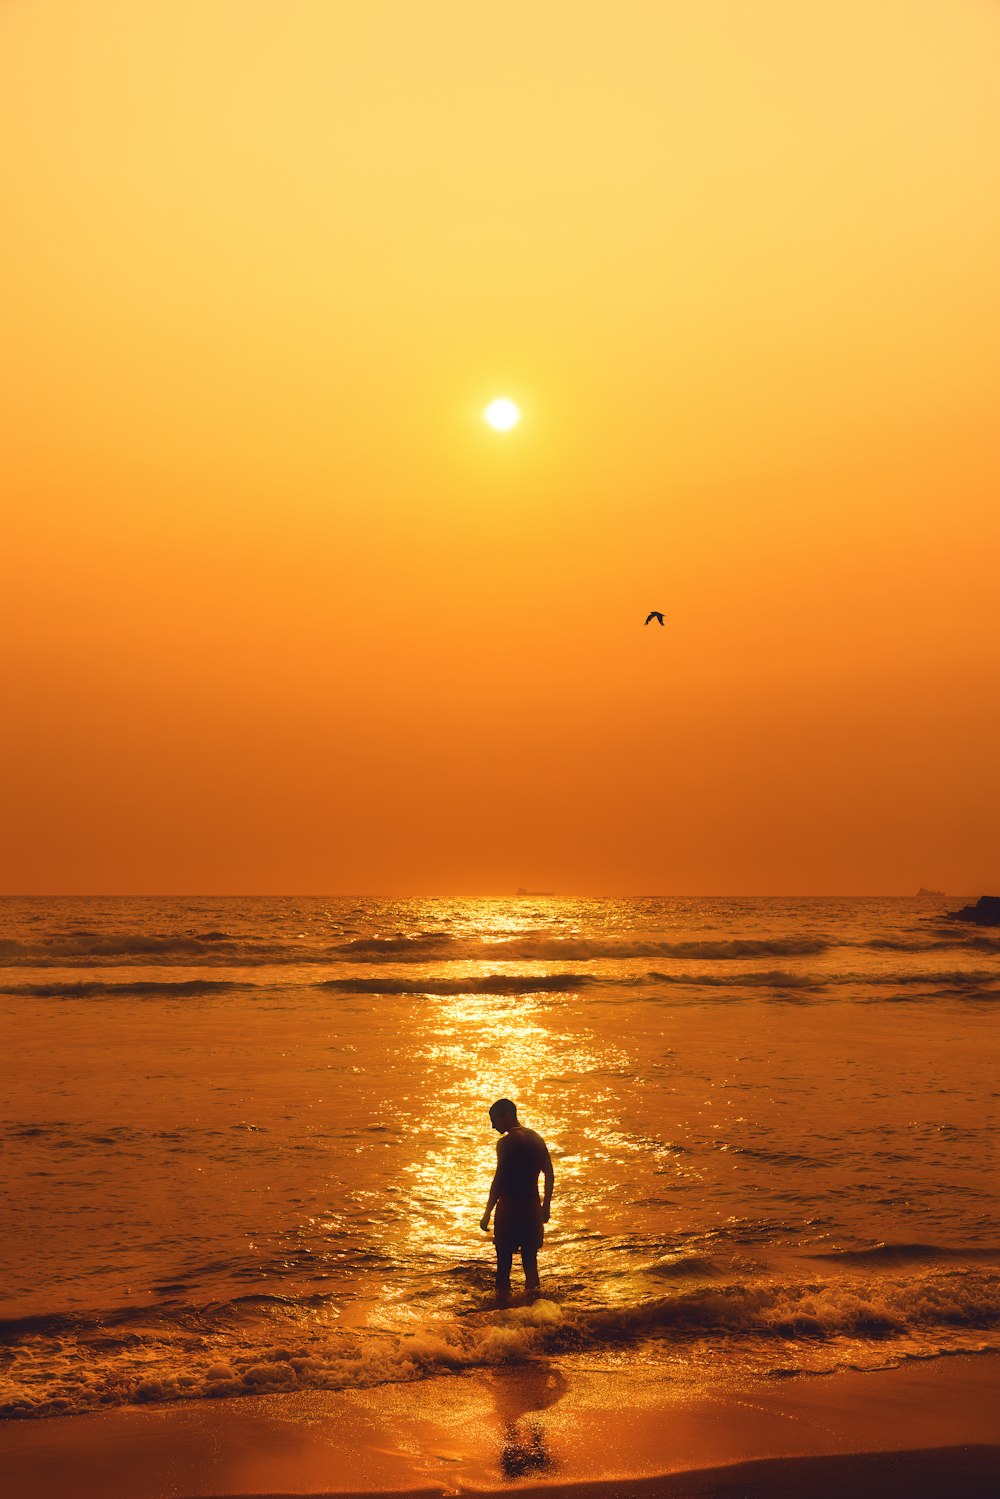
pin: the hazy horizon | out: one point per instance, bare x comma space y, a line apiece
490, 895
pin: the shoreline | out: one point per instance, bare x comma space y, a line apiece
918, 1430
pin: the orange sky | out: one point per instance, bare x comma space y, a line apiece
280, 614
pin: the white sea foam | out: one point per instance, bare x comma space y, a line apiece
84, 1368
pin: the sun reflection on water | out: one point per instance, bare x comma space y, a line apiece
475, 1049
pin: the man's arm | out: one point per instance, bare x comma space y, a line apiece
484, 1222
550, 1181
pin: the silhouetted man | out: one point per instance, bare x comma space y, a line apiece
522, 1157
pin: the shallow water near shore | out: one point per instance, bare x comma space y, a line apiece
246, 1146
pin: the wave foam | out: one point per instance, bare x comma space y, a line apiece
84, 1370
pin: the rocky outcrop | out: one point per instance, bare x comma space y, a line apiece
986, 911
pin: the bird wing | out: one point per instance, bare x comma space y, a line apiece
650, 616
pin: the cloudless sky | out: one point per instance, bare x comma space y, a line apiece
280, 613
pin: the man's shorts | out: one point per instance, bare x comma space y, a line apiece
517, 1224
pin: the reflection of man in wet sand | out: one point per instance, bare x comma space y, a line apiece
520, 1395
522, 1157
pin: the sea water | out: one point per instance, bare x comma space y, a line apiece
246, 1145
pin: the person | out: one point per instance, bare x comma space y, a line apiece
522, 1156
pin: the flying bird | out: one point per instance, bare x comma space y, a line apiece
654, 614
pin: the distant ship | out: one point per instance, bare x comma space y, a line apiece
521, 891
923, 891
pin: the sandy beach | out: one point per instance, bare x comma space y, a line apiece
928, 1428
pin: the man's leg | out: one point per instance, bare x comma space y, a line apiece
504, 1260
529, 1259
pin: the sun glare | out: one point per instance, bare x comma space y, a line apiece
502, 414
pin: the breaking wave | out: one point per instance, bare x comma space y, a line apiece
83, 949
135, 1359
773, 978
490, 983
438, 947
967, 984
891, 1256
220, 948
959, 982
92, 948
971, 941
150, 988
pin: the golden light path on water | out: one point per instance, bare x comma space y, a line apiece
283, 1164
482, 1047
569, 1069
483, 1050
566, 1078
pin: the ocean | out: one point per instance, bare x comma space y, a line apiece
246, 1145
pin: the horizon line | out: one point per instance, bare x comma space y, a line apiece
483, 895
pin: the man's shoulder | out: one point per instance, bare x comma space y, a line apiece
523, 1138
519, 1136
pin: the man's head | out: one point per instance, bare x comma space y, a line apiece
503, 1115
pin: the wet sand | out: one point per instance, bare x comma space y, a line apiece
921, 1430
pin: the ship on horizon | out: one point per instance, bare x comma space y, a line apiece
521, 891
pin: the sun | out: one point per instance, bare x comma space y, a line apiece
502, 414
